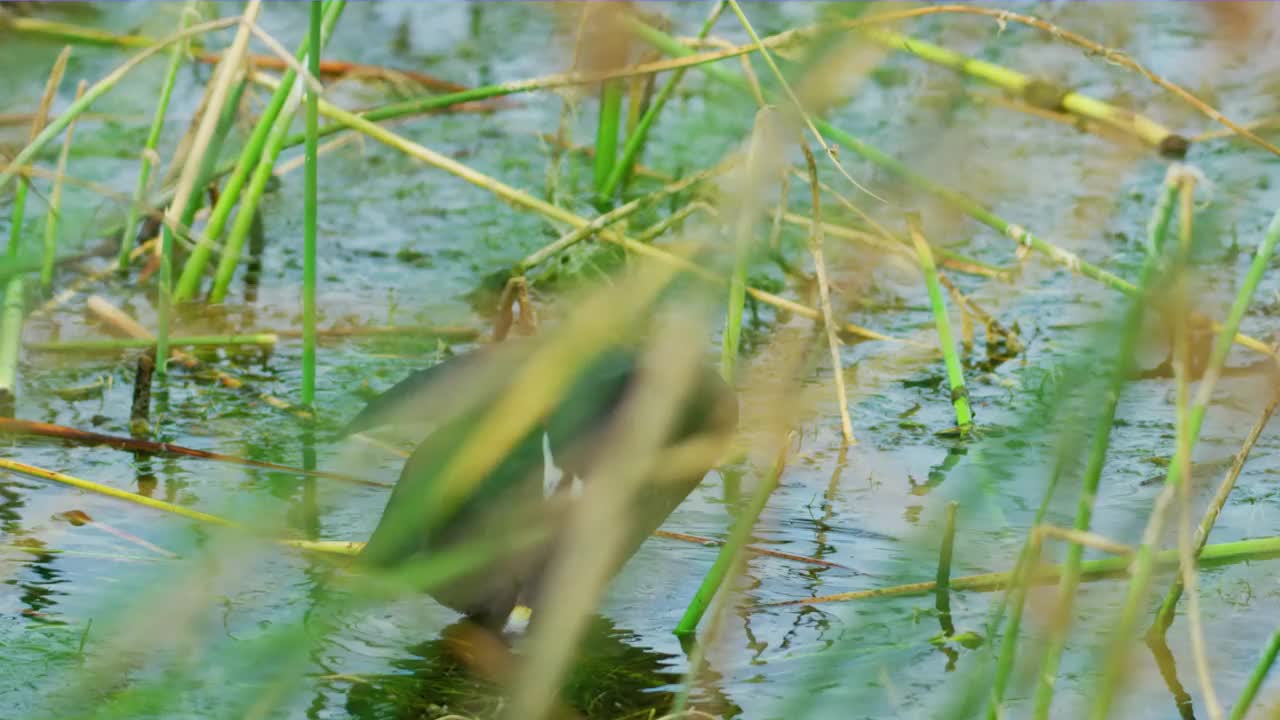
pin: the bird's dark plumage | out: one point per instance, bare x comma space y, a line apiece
512, 497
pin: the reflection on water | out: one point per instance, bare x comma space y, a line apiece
614, 677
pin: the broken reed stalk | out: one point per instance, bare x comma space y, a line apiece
727, 560
10, 426
1143, 562
53, 217
188, 189
959, 200
1259, 674
140, 409
824, 294
558, 214
1100, 569
938, 301
253, 151
149, 155
1168, 607
14, 306
1127, 344
126, 325
117, 344
636, 138
320, 546
1039, 93
310, 210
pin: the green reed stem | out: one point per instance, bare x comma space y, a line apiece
153, 140
959, 200
731, 551
253, 152
1130, 329
607, 129
97, 90
1164, 616
309, 218
12, 312
635, 140
945, 553
53, 217
1143, 560
113, 344
1259, 674
1157, 227
955, 370
1034, 92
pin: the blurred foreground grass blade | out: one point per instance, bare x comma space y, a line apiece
959, 200
1157, 228
250, 155
153, 139
1116, 659
727, 560
1122, 369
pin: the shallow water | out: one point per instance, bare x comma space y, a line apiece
875, 508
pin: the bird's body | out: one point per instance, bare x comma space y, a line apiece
531, 486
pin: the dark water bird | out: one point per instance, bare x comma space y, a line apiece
537, 482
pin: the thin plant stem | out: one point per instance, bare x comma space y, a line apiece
153, 140
742, 236
607, 129
558, 214
1164, 616
53, 217
730, 552
824, 295
1126, 345
938, 301
321, 546
959, 200
187, 188
636, 138
250, 155
311, 176
1256, 678
945, 553
1181, 357
1037, 93
1116, 659
13, 308
117, 344
97, 90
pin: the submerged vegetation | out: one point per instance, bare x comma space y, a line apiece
1001, 335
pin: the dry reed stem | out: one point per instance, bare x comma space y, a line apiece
552, 212
824, 295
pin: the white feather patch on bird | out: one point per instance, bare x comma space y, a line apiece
518, 620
